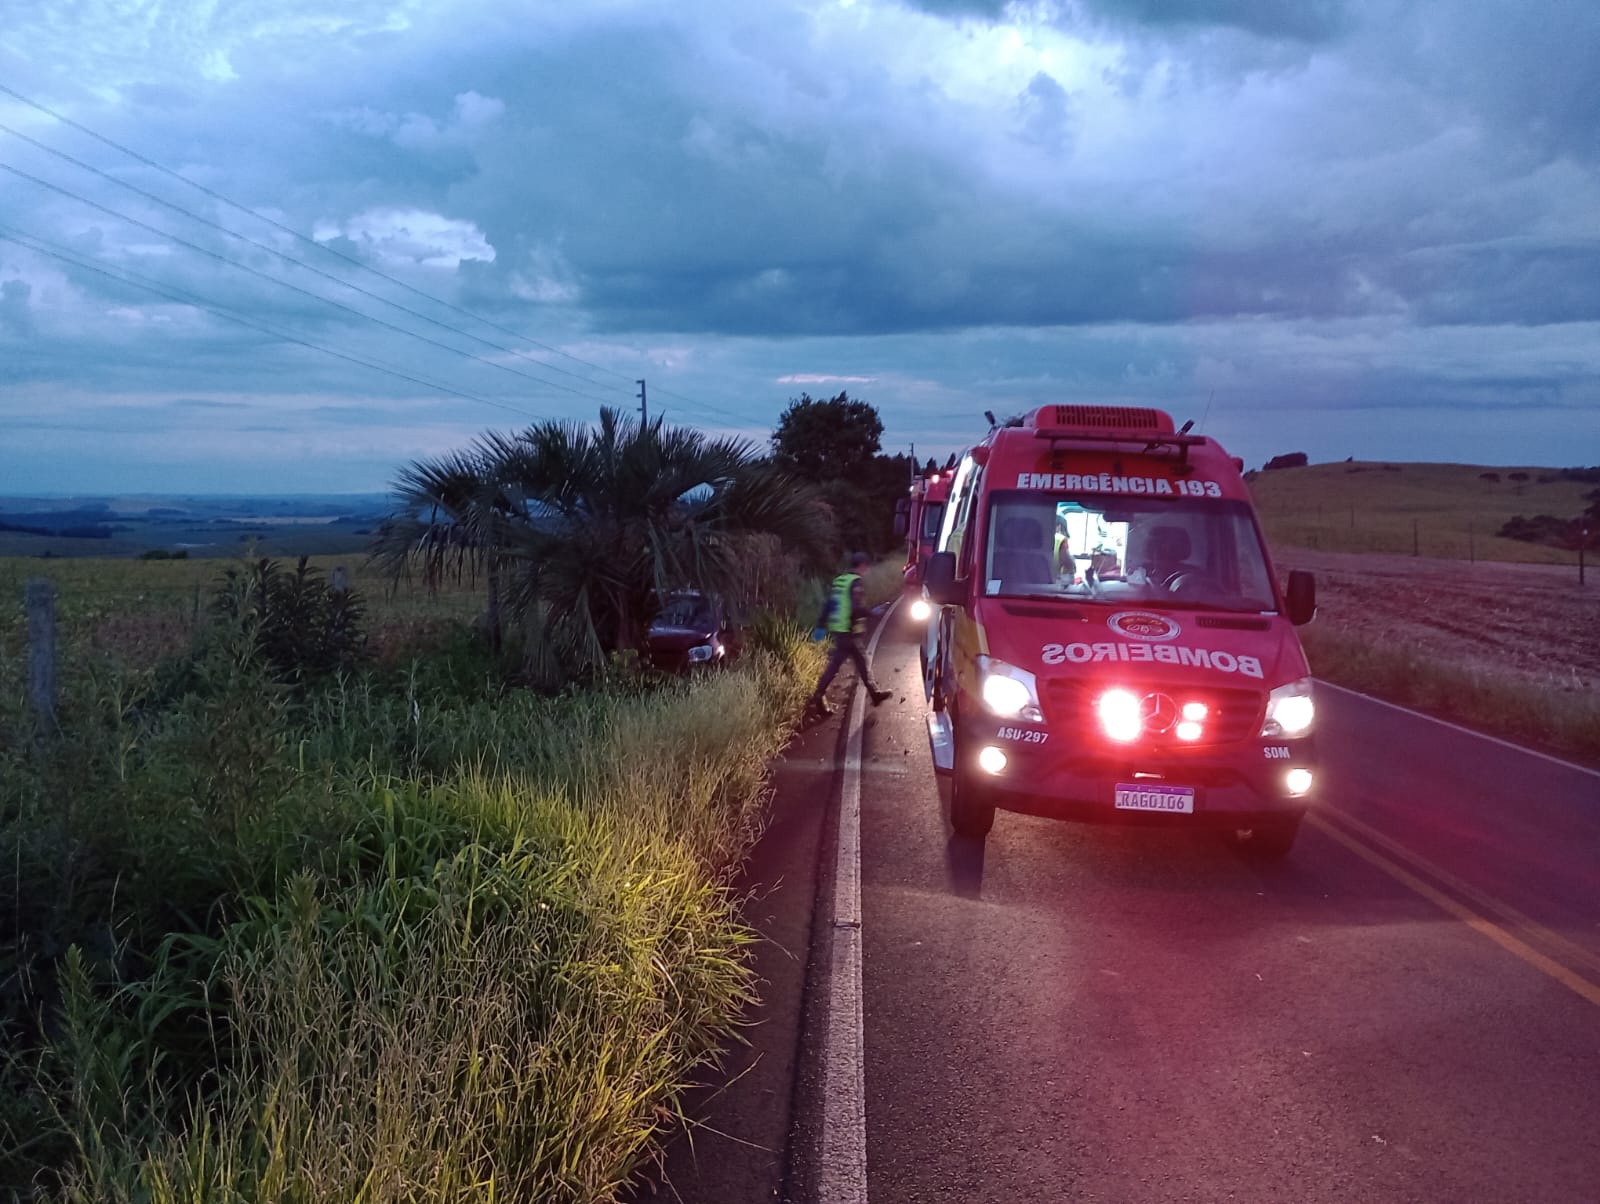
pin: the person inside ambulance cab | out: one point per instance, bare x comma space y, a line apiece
1066, 563
1166, 558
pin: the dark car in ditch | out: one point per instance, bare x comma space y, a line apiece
693, 631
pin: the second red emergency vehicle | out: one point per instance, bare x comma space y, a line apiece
919, 518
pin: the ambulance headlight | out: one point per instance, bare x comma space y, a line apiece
920, 610
1009, 692
1289, 711
1120, 718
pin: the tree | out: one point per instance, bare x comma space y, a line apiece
1287, 460
583, 531
828, 440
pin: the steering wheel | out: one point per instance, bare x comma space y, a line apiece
1188, 580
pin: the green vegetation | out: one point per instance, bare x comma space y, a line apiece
280, 928
579, 534
1561, 714
1448, 511
834, 443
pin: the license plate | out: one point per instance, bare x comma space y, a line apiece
1174, 799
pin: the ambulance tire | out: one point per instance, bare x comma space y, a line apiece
971, 814
1268, 842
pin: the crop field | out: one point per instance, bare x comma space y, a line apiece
1441, 511
137, 611
1421, 603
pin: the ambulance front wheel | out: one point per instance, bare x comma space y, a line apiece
1264, 842
971, 813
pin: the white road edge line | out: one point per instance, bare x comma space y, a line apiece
842, 1178
1511, 744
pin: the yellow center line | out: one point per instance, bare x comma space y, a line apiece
1506, 940
1568, 950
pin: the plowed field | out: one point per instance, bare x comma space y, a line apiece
1528, 622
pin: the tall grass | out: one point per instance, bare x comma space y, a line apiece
400, 936
1560, 714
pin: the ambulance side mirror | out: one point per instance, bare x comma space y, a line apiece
939, 579
1302, 597
900, 525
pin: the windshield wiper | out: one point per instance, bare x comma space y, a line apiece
1073, 599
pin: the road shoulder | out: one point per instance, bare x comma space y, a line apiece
736, 1148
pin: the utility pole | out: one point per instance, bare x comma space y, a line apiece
644, 408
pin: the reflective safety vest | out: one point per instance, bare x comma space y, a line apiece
840, 618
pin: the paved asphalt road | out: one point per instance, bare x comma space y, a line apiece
1096, 1014
1408, 1009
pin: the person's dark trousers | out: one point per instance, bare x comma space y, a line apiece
845, 648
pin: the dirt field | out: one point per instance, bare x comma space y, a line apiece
1525, 621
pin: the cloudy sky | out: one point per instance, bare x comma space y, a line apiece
289, 245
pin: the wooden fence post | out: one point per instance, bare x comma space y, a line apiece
41, 602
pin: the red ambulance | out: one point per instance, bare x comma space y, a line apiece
920, 518
1110, 641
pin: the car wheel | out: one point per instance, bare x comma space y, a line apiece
971, 812
1268, 841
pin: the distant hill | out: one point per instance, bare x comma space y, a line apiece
206, 505
288, 525
1450, 511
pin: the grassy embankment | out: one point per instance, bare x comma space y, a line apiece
1563, 718
402, 934
1444, 511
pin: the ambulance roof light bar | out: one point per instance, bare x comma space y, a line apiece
1114, 424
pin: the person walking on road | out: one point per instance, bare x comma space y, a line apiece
844, 616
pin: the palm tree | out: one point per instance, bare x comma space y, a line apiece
581, 531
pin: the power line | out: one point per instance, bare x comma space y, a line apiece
244, 267
123, 276
703, 405
350, 259
271, 250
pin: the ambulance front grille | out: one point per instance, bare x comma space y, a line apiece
1232, 715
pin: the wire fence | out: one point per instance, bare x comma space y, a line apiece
139, 612
1431, 536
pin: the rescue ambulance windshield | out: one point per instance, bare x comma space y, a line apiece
1196, 553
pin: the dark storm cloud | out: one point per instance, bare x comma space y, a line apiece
1045, 108
988, 10
1300, 20
963, 200
1525, 71
1502, 285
